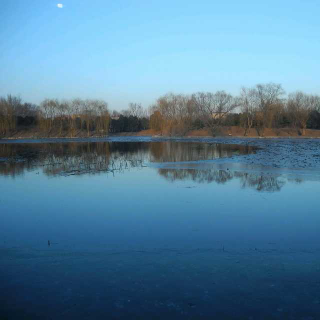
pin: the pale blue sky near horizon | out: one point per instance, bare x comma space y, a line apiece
135, 51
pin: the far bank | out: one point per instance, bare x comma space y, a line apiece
230, 131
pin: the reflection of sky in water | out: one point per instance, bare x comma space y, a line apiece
155, 230
108, 195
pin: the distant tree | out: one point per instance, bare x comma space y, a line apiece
268, 97
314, 120
156, 121
136, 110
300, 106
214, 107
177, 111
249, 105
262, 106
8, 108
48, 108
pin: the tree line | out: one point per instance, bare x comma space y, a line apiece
69, 117
260, 107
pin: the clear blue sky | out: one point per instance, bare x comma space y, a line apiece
135, 51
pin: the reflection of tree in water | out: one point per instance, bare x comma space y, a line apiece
13, 159
193, 151
70, 158
261, 182
95, 157
248, 180
199, 176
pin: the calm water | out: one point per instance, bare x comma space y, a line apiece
145, 230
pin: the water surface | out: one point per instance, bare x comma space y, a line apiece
169, 229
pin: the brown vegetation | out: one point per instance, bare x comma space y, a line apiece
262, 110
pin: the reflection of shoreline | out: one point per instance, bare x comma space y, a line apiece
187, 152
71, 158
268, 183
173, 161
94, 158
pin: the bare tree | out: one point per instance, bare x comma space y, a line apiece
92, 115
8, 108
102, 121
300, 106
268, 96
49, 108
136, 110
213, 107
156, 121
61, 114
4, 116
315, 101
177, 111
249, 106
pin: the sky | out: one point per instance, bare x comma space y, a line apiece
135, 51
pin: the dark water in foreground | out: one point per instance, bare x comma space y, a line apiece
158, 230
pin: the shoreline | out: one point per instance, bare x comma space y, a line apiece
232, 132
160, 137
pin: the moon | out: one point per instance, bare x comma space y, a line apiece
60, 5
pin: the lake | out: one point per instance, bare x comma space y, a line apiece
142, 228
